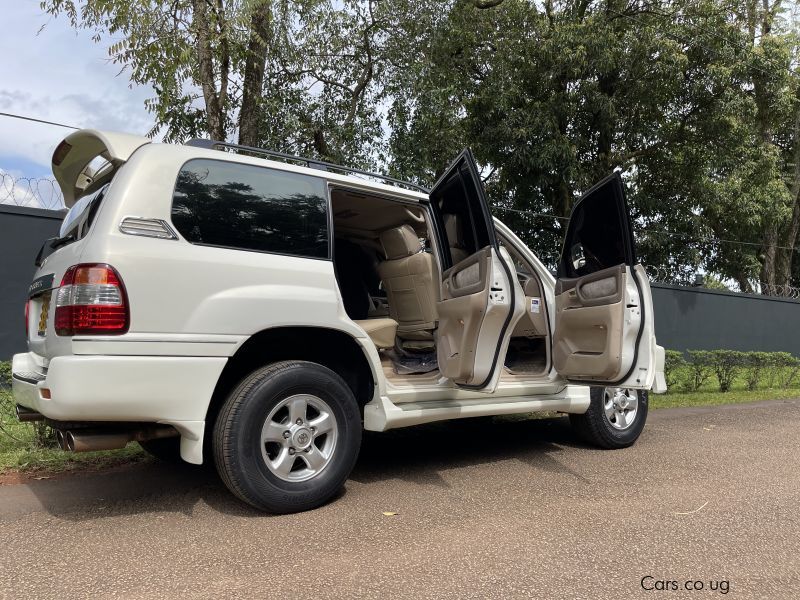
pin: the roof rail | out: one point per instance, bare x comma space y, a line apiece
308, 162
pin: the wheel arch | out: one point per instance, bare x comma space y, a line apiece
332, 348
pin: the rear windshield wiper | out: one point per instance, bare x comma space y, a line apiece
62, 241
51, 245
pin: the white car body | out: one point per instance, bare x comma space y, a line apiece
193, 307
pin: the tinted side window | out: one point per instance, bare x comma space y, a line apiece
599, 235
461, 210
252, 208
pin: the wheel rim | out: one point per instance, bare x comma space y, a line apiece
620, 406
298, 438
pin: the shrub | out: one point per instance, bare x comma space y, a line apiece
673, 363
5, 374
786, 368
701, 367
754, 365
726, 364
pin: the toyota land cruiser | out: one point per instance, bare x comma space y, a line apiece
213, 301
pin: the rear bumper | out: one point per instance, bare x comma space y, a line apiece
118, 388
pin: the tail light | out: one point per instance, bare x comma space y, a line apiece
27, 317
91, 299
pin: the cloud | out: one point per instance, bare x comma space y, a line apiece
63, 76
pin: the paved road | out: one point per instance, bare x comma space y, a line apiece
485, 510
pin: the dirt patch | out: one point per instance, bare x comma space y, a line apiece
17, 477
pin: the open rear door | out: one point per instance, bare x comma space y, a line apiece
72, 158
604, 311
481, 299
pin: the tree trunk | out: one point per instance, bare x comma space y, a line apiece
321, 144
215, 116
770, 255
763, 103
605, 125
744, 283
253, 84
789, 241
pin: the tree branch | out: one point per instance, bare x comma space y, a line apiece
484, 4
214, 117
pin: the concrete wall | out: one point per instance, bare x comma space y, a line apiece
699, 319
686, 318
22, 232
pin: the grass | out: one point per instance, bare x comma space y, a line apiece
20, 452
709, 394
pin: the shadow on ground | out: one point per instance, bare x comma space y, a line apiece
417, 454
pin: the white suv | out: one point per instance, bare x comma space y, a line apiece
258, 309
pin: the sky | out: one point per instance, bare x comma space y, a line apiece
57, 74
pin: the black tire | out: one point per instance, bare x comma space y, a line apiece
594, 427
165, 449
237, 436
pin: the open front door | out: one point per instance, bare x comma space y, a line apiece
481, 299
604, 311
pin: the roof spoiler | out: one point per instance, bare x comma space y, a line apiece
72, 156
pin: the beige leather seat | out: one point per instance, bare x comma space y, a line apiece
381, 331
409, 278
455, 236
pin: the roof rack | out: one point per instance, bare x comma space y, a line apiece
308, 162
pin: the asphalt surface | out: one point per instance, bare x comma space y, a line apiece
485, 509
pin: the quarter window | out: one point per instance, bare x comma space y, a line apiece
247, 207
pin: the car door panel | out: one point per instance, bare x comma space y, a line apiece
476, 306
593, 315
603, 325
481, 299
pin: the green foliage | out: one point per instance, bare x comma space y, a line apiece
695, 101
713, 283
786, 368
701, 367
754, 365
36, 435
673, 365
727, 364
5, 374
753, 370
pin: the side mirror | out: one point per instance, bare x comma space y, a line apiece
577, 256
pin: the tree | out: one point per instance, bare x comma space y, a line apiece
553, 96
256, 66
696, 102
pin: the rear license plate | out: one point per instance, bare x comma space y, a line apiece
43, 315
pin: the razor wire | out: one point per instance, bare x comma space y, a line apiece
31, 192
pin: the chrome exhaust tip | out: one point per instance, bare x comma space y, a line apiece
77, 441
91, 440
60, 439
27, 415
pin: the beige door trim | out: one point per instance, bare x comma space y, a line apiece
478, 298
598, 319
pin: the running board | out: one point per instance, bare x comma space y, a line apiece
381, 414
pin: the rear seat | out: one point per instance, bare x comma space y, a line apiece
381, 331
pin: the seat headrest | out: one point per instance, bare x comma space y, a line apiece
452, 227
400, 242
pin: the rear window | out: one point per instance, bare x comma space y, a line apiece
81, 215
246, 207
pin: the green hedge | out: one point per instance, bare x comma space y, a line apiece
5, 374
773, 369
